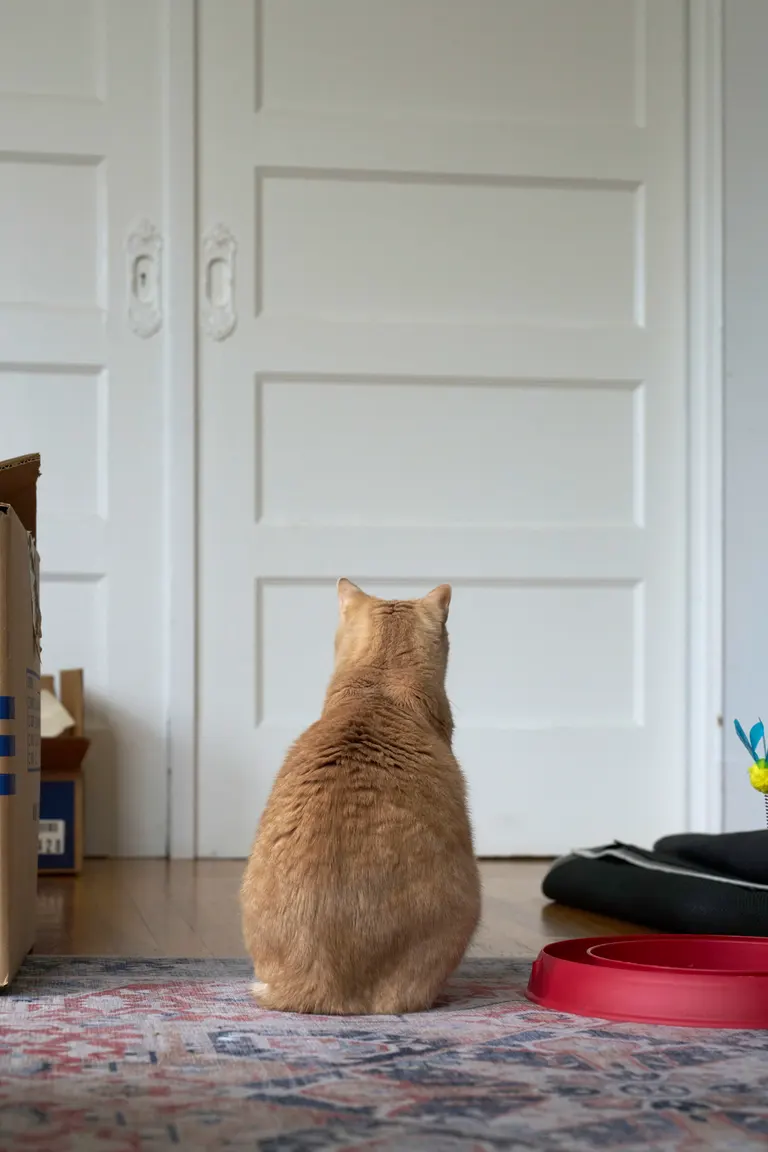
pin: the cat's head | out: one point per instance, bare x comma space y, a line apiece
401, 635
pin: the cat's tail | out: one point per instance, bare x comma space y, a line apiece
290, 996
384, 1001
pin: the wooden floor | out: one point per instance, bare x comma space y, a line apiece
180, 908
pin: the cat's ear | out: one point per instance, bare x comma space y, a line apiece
348, 593
439, 601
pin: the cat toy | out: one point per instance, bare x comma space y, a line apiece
758, 771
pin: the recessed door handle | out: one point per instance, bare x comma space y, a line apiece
144, 275
217, 288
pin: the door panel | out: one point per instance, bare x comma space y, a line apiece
459, 356
80, 167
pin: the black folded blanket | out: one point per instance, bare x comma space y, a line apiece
690, 883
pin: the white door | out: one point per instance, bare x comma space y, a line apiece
457, 262
80, 166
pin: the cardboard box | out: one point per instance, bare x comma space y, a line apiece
60, 842
20, 634
60, 846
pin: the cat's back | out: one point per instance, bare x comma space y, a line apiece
367, 767
362, 891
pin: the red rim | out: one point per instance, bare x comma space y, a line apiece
748, 948
571, 977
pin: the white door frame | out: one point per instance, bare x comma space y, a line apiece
703, 722
181, 456
705, 417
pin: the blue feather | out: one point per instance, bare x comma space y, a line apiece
756, 734
743, 737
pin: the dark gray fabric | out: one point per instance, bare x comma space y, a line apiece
740, 854
704, 900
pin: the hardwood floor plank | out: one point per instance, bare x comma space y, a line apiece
190, 908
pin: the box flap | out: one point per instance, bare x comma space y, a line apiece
72, 697
18, 487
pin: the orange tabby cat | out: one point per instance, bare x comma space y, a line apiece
362, 891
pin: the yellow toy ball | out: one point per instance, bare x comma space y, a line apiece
758, 772
758, 776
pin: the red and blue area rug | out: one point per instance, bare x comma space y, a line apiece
107, 1055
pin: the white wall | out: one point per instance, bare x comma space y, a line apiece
746, 393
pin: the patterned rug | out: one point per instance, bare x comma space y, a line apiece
123, 1055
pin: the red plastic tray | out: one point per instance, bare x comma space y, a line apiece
689, 981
